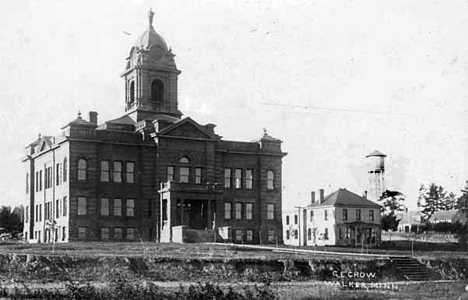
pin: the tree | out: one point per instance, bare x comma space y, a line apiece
10, 220
462, 201
450, 201
431, 199
392, 201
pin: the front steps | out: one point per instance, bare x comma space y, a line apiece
411, 269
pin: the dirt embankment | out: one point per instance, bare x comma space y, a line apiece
28, 267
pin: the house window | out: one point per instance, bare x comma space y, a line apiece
249, 211
371, 215
117, 207
105, 171
40, 180
249, 235
358, 214
184, 175
65, 169
249, 179
227, 210
295, 219
238, 211
130, 172
270, 180
64, 233
104, 207
130, 233
325, 235
348, 233
287, 234
40, 212
117, 171
287, 220
345, 214
296, 234
198, 175
340, 233
270, 211
157, 90
82, 233
311, 215
57, 174
238, 235
309, 234
184, 160
118, 233
105, 233
57, 208
227, 178
81, 169
64, 206
130, 207
271, 235
81, 205
238, 178
326, 214
170, 173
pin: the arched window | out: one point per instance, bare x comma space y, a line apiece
157, 90
65, 169
81, 169
184, 160
270, 180
132, 93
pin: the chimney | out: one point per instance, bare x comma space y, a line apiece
322, 192
93, 117
365, 194
312, 197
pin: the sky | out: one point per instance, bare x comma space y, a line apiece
334, 80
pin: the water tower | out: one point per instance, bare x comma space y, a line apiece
376, 174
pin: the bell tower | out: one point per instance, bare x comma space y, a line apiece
150, 77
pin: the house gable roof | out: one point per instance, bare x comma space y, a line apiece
343, 197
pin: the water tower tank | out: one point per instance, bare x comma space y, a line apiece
375, 161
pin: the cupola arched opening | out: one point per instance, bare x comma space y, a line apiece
132, 92
157, 90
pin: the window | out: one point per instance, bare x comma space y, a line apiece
249, 211
132, 92
130, 172
325, 235
227, 178
227, 210
40, 180
104, 233
170, 173
270, 180
118, 233
295, 219
270, 211
296, 234
40, 212
184, 174
198, 175
104, 207
271, 235
157, 90
57, 208
57, 174
345, 214
238, 178
117, 171
371, 215
64, 206
130, 208
358, 214
326, 214
81, 169
340, 233
82, 232
65, 169
184, 160
238, 235
238, 211
248, 179
64, 233
287, 220
311, 215
37, 181
26, 214
348, 233
309, 234
130, 233
249, 235
81, 205
105, 171
287, 234
37, 213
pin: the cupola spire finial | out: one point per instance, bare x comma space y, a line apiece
150, 17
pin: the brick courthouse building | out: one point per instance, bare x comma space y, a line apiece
151, 174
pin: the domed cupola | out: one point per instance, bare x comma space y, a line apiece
151, 75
